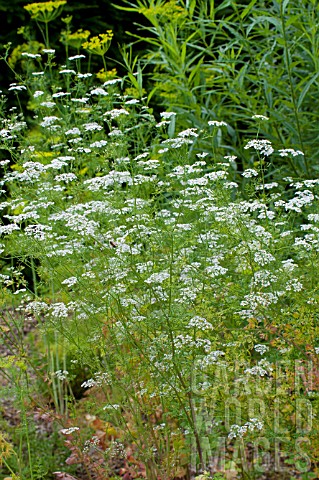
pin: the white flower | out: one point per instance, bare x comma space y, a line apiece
263, 258
289, 151
19, 291
189, 132
48, 104
61, 374
141, 155
99, 91
259, 117
59, 310
70, 281
167, 115
80, 100
262, 146
180, 141
212, 357
289, 265
115, 133
216, 270
133, 101
116, 112
48, 121
216, 123
294, 285
69, 431
76, 140
267, 186
157, 277
160, 124
239, 431
76, 57
216, 175
112, 82
100, 378
249, 173
262, 369
30, 55
89, 383
73, 131
99, 144
4, 133
313, 217
301, 199
84, 75
261, 348
200, 323
65, 177
229, 185
36, 307
67, 71
88, 127
37, 231
60, 94
4, 162
16, 87
38, 93
113, 406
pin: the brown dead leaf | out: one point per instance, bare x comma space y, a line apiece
5, 329
63, 476
73, 459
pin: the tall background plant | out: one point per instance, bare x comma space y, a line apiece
232, 60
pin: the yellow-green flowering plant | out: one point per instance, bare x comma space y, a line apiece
104, 75
75, 39
99, 44
45, 11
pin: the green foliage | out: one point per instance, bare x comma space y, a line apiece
233, 60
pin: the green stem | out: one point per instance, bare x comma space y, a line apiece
7, 466
104, 63
27, 438
34, 277
42, 32
290, 81
47, 43
89, 62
